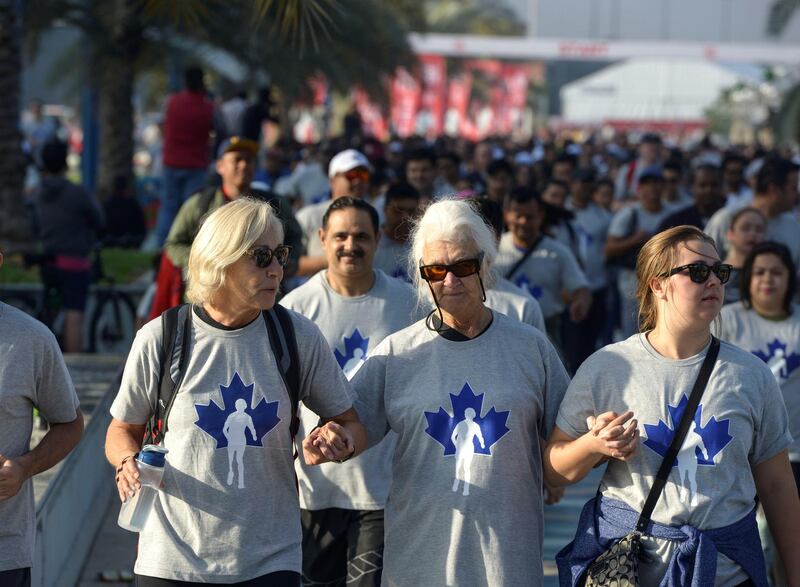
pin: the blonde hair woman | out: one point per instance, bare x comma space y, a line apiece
624, 406
228, 512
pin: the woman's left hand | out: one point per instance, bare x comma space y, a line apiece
329, 442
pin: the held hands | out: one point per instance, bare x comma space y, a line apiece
329, 442
614, 435
12, 476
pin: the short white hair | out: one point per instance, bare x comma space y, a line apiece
224, 237
454, 221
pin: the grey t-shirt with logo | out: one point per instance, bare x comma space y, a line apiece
550, 270
391, 257
465, 506
513, 301
353, 326
777, 343
32, 374
228, 511
591, 226
740, 422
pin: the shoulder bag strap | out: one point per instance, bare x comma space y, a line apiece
680, 435
524, 257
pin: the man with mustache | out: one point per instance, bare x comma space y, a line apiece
355, 306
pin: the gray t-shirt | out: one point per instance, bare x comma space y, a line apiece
310, 220
627, 221
228, 511
777, 343
32, 374
353, 327
513, 301
591, 226
783, 228
546, 273
740, 422
465, 506
391, 257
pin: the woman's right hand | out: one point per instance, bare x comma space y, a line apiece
128, 478
614, 435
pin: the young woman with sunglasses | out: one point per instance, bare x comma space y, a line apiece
228, 512
470, 393
624, 405
748, 226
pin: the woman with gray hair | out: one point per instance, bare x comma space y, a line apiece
228, 510
470, 394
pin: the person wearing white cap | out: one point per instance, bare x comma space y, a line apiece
348, 173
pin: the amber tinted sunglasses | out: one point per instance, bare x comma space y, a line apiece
463, 268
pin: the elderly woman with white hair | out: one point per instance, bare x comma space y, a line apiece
470, 393
228, 509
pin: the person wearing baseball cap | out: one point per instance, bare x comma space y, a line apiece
348, 173
235, 166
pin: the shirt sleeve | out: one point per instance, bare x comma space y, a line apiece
771, 433
369, 384
323, 387
55, 394
556, 384
136, 398
578, 402
620, 223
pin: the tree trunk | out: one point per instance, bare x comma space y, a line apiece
14, 220
115, 117
115, 80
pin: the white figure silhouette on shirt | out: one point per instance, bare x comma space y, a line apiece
687, 464
354, 363
778, 365
234, 430
462, 437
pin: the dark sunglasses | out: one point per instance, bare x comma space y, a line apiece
700, 272
355, 174
463, 268
262, 256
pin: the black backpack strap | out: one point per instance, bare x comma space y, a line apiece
524, 257
283, 342
680, 435
206, 197
175, 332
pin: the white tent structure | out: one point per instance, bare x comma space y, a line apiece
646, 90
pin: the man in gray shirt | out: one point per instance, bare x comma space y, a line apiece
776, 195
32, 375
355, 307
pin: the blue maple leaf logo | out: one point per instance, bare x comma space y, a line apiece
351, 343
441, 424
779, 360
525, 283
714, 434
211, 417
401, 273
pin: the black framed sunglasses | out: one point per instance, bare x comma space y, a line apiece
700, 272
463, 268
262, 256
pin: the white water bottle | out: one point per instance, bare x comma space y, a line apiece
135, 510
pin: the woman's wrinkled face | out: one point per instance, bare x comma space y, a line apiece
769, 282
747, 232
689, 302
458, 296
248, 286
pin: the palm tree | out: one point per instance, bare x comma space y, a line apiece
12, 161
353, 42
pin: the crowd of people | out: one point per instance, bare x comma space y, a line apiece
464, 330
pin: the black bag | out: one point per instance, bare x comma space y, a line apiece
175, 330
627, 260
619, 565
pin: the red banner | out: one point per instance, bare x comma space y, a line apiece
405, 95
515, 81
458, 92
372, 120
434, 95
